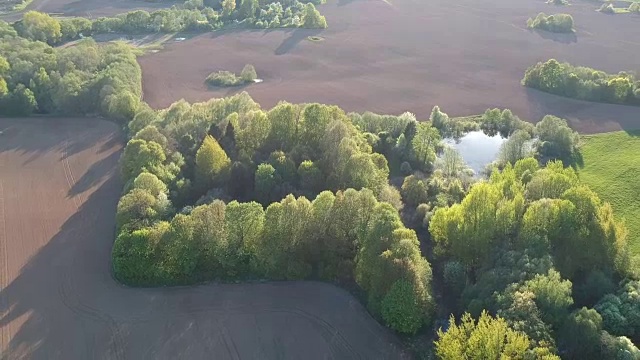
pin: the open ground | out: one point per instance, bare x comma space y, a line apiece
409, 55
59, 186
88, 8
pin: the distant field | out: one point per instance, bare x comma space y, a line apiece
409, 55
612, 169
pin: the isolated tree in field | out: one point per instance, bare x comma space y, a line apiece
248, 73
211, 162
311, 18
41, 27
488, 338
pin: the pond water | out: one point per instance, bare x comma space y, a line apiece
477, 148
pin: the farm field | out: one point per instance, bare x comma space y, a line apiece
87, 8
611, 169
59, 185
407, 55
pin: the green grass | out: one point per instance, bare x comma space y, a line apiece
612, 169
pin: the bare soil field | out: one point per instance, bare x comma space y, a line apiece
409, 55
88, 8
58, 192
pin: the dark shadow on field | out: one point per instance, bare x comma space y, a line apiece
88, 129
583, 116
45, 296
97, 172
565, 38
294, 39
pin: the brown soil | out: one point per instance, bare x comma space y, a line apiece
409, 55
58, 192
88, 8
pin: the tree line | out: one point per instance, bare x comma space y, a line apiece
184, 18
583, 83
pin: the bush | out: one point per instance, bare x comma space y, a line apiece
559, 23
607, 8
227, 78
634, 7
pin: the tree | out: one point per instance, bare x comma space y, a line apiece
414, 191
451, 163
581, 334
391, 195
311, 18
151, 183
621, 312
488, 338
248, 9
424, 145
552, 295
212, 163
557, 140
517, 147
135, 258
266, 181
400, 310
228, 6
139, 208
311, 178
284, 127
41, 27
245, 223
440, 120
248, 73
140, 155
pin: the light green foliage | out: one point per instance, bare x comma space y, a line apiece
451, 163
400, 310
440, 120
251, 132
488, 338
248, 73
266, 181
228, 6
634, 7
559, 23
149, 182
212, 163
423, 145
391, 195
151, 133
227, 78
557, 139
140, 155
311, 18
615, 181
414, 191
552, 295
581, 82
517, 147
134, 255
139, 208
284, 127
40, 26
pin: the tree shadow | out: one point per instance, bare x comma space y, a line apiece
294, 39
96, 173
565, 38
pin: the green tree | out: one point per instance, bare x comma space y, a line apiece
414, 191
139, 208
248, 73
284, 127
311, 178
488, 338
151, 183
311, 18
557, 140
41, 27
517, 147
245, 223
228, 6
424, 145
248, 9
580, 334
212, 163
552, 295
400, 310
140, 155
266, 181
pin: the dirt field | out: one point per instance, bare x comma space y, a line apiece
88, 8
463, 55
58, 192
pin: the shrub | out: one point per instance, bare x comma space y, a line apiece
559, 23
227, 78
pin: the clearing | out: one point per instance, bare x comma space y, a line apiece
408, 55
612, 169
59, 185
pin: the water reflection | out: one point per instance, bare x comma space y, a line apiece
477, 148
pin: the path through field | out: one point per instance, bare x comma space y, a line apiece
58, 191
409, 55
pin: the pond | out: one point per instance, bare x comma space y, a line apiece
477, 148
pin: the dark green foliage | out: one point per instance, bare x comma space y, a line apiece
559, 23
557, 139
621, 312
582, 83
580, 334
400, 310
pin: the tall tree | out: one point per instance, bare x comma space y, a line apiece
212, 163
